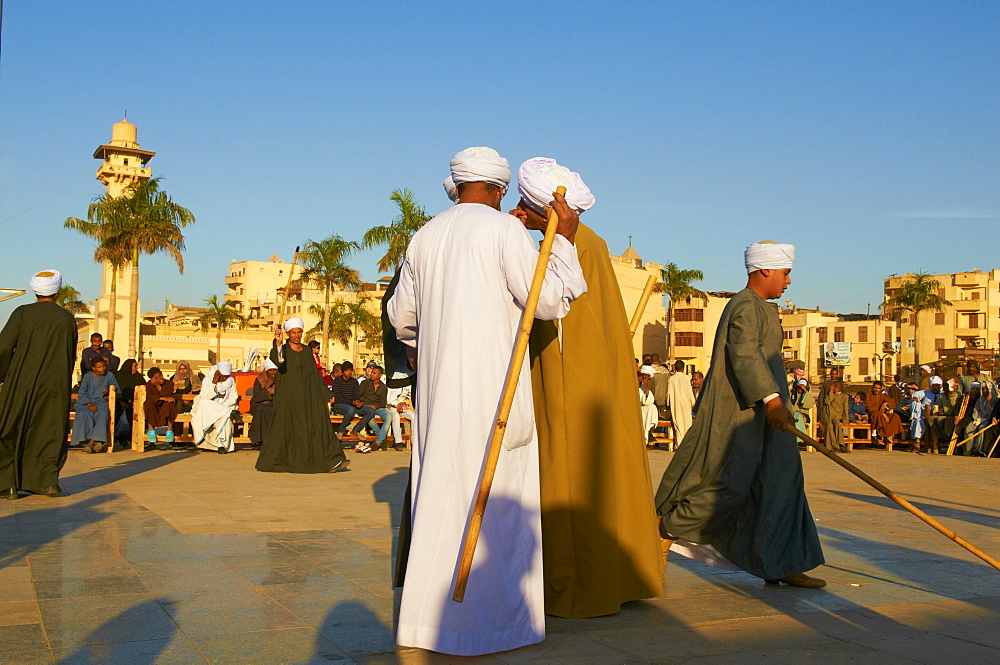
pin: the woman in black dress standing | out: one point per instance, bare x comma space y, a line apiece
301, 438
262, 404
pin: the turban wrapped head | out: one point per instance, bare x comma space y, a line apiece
46, 283
451, 189
269, 365
937, 381
480, 164
646, 369
292, 324
538, 178
768, 255
926, 368
225, 368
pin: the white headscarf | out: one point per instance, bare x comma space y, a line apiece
225, 368
768, 255
269, 365
450, 189
646, 369
294, 323
480, 164
538, 178
46, 283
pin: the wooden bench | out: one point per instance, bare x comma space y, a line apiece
187, 436
112, 399
850, 434
663, 437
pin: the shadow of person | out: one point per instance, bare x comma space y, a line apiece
972, 517
27, 531
353, 627
394, 491
113, 641
119, 471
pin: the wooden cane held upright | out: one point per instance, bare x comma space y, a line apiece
468, 550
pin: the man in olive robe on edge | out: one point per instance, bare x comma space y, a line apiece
599, 542
37, 353
734, 492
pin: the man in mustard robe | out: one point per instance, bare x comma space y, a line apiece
599, 542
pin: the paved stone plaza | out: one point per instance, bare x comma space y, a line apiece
177, 557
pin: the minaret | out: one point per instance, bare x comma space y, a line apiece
124, 164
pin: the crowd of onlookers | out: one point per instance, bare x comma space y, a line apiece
364, 399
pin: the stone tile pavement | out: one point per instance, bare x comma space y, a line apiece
178, 557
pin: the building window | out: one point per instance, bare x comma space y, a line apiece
688, 339
863, 366
909, 343
838, 334
787, 334
941, 293
795, 355
888, 365
689, 315
798, 333
939, 318
938, 344
821, 334
863, 334
974, 321
888, 334
975, 295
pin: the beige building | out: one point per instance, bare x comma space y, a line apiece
632, 273
695, 323
123, 164
807, 333
971, 321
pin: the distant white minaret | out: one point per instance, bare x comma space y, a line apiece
123, 164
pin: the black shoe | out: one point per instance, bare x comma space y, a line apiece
10, 493
341, 465
222, 451
399, 446
48, 491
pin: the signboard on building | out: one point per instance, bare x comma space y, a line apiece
836, 354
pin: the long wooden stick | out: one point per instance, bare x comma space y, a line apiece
993, 447
646, 292
284, 300
951, 535
967, 439
954, 434
506, 401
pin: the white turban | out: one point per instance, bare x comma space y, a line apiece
450, 189
292, 324
480, 165
769, 255
46, 283
936, 381
538, 178
926, 368
269, 365
225, 368
646, 369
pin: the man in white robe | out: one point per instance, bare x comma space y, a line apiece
680, 396
210, 415
461, 294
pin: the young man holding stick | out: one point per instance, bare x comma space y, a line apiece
733, 493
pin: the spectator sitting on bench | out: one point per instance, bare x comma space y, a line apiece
90, 424
374, 399
160, 407
858, 409
347, 399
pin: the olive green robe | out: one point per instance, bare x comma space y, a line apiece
599, 542
37, 354
736, 482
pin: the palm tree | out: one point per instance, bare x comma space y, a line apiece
398, 233
69, 299
324, 263
143, 220
222, 315
676, 283
96, 227
917, 294
348, 320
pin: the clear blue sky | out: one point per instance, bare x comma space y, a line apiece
865, 133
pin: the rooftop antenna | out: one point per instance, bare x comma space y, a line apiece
630, 241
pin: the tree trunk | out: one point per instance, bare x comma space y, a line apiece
916, 340
354, 340
218, 343
113, 305
326, 326
670, 328
133, 305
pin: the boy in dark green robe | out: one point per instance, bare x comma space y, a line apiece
37, 352
735, 486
